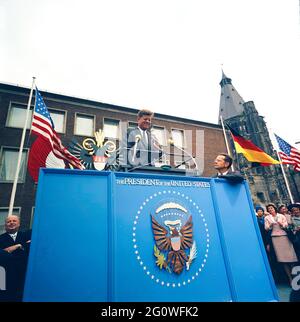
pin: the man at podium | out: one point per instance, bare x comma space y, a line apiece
143, 148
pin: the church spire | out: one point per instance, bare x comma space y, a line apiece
231, 103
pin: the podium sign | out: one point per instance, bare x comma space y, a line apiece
105, 236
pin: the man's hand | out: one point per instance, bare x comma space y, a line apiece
11, 249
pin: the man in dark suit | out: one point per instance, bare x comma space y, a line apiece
222, 164
143, 148
14, 246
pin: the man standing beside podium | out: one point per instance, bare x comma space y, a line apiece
143, 148
222, 164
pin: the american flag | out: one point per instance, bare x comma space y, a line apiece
42, 125
288, 154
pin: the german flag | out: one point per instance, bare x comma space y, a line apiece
250, 151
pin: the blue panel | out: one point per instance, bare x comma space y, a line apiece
93, 240
247, 260
135, 267
69, 241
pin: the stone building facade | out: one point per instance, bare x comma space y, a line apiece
267, 183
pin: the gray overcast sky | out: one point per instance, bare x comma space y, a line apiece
165, 55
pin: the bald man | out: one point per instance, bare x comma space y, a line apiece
14, 250
13, 239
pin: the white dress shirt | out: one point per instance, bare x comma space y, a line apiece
14, 236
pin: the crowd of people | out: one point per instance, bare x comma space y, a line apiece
280, 231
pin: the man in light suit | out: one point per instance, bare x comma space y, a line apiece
222, 164
143, 148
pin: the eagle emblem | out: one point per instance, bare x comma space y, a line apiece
174, 246
94, 154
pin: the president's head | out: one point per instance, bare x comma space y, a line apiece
144, 119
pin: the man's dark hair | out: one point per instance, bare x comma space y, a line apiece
227, 158
281, 206
145, 112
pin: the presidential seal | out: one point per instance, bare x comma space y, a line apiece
174, 246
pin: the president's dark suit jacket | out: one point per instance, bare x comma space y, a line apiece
146, 152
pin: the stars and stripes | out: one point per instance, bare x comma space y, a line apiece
43, 126
288, 154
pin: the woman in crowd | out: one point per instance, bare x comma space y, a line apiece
260, 216
295, 211
282, 209
285, 253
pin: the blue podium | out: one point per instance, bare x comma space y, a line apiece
112, 236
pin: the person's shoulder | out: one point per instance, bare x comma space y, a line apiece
3, 236
5, 240
235, 172
132, 132
233, 176
25, 234
281, 216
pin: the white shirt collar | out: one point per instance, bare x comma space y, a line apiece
223, 174
14, 235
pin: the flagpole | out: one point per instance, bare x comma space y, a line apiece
226, 142
285, 178
14, 187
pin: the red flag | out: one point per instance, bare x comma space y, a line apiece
41, 156
48, 150
250, 151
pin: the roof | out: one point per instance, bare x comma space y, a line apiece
231, 103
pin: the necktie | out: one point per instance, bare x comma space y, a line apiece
145, 138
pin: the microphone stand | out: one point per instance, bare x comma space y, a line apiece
137, 139
186, 153
183, 162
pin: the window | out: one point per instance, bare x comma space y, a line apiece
178, 138
111, 128
16, 116
261, 196
58, 118
159, 133
3, 215
132, 125
84, 125
8, 165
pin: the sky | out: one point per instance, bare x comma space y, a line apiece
163, 55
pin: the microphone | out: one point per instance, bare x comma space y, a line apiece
138, 137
